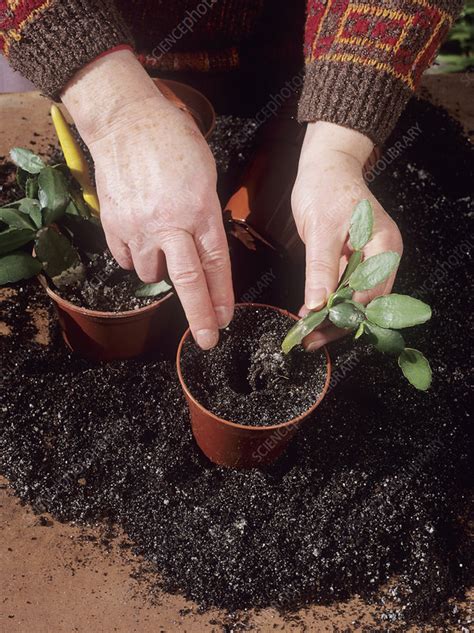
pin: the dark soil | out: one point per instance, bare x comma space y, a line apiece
247, 379
107, 287
372, 500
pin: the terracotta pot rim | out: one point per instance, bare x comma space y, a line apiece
99, 313
257, 429
212, 112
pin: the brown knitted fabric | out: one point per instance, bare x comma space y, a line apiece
365, 59
59, 37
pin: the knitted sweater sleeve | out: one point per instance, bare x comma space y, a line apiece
48, 41
365, 58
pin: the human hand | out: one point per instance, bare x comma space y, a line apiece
156, 182
328, 186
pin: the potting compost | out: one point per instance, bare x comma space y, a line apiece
247, 379
372, 497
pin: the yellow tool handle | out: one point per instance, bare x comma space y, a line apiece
75, 159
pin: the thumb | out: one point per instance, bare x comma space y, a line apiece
323, 253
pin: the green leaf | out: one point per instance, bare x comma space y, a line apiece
32, 208
87, 235
58, 257
302, 328
352, 264
80, 207
17, 266
415, 368
346, 315
387, 341
362, 223
11, 239
152, 290
21, 177
340, 295
15, 219
53, 194
374, 270
27, 160
31, 188
360, 330
397, 311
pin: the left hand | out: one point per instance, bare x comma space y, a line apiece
328, 186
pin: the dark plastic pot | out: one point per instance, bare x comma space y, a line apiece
105, 336
238, 445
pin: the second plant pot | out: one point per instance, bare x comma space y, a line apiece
106, 336
237, 445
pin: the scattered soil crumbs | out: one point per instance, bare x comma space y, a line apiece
247, 379
107, 287
373, 499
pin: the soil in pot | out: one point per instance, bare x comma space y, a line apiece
246, 378
107, 287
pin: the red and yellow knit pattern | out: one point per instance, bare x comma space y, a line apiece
15, 15
400, 40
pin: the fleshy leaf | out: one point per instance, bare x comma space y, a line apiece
302, 328
17, 266
387, 341
354, 261
340, 295
31, 188
346, 315
15, 219
362, 223
360, 330
14, 238
58, 257
27, 160
397, 311
374, 270
53, 194
32, 208
415, 368
152, 290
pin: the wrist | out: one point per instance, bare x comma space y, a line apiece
324, 138
103, 93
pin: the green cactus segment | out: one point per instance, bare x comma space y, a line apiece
387, 341
397, 311
302, 328
415, 368
59, 258
362, 224
17, 266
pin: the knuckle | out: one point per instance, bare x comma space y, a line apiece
186, 278
214, 261
318, 266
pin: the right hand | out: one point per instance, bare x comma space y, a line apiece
156, 181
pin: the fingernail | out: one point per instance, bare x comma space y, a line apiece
224, 316
207, 338
316, 298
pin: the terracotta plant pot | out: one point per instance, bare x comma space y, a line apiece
191, 101
105, 336
237, 445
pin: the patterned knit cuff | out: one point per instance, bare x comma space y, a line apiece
57, 38
359, 98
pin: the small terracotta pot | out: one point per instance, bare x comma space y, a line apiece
190, 101
105, 336
238, 445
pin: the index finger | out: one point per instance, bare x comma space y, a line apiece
186, 273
